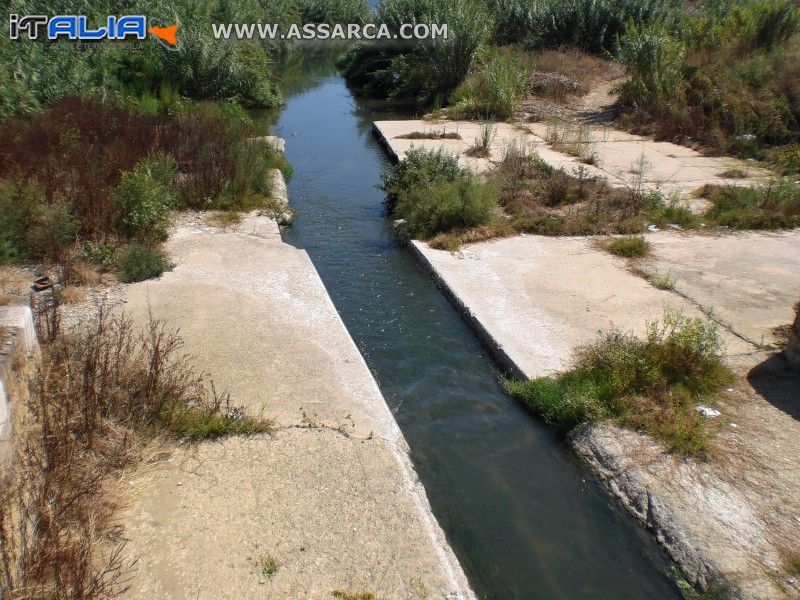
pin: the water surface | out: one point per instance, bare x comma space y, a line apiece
523, 516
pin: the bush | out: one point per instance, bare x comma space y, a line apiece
52, 231
137, 263
419, 167
654, 63
18, 202
430, 70
146, 197
772, 206
592, 25
442, 206
629, 247
653, 383
493, 88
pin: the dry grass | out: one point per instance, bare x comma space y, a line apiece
430, 135
574, 139
95, 398
78, 272
72, 295
224, 218
586, 69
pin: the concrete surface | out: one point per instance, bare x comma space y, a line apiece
539, 298
332, 496
17, 323
750, 281
667, 167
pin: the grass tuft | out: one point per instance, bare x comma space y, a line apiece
628, 247
653, 384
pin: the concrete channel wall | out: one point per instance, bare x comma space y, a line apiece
331, 495
17, 323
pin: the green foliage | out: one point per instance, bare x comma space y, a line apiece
772, 206
146, 197
418, 168
18, 204
442, 206
629, 247
654, 62
493, 88
138, 262
429, 69
97, 253
653, 383
592, 25
334, 11
195, 424
52, 230
664, 212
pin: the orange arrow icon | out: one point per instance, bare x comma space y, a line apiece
166, 33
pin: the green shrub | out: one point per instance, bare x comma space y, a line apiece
593, 25
18, 204
629, 247
772, 206
430, 69
98, 253
442, 206
138, 262
654, 61
493, 88
653, 383
52, 231
146, 197
671, 211
419, 167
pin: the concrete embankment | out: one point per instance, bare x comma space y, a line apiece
534, 300
17, 338
330, 501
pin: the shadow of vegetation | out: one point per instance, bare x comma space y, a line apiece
777, 384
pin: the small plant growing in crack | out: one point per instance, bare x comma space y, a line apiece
663, 282
268, 566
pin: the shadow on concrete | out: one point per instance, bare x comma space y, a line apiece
777, 384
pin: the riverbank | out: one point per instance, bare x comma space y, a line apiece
534, 300
328, 502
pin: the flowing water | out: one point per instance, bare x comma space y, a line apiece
522, 515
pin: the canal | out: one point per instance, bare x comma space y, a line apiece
525, 519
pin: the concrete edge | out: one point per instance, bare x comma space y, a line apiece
376, 131
495, 348
398, 445
18, 320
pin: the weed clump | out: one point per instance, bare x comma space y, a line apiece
138, 263
628, 247
653, 384
772, 206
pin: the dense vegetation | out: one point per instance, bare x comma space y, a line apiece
722, 73
81, 180
654, 384
100, 143
525, 195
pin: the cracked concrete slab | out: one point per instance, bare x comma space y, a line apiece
539, 298
748, 280
667, 167
332, 496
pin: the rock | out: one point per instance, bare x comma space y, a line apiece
707, 411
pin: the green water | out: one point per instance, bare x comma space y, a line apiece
522, 515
